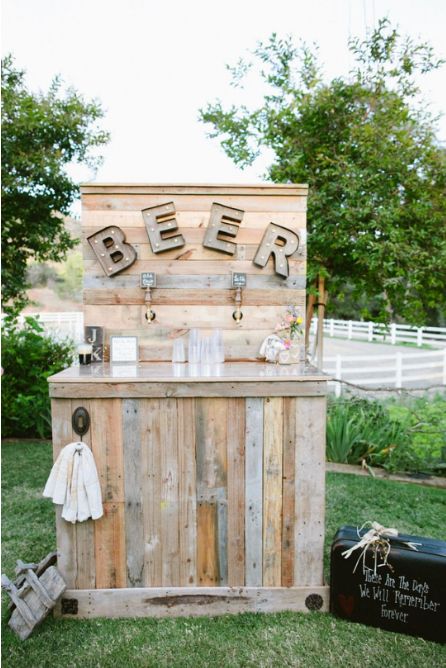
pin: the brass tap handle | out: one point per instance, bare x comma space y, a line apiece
238, 315
149, 315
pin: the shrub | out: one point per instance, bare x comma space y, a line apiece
426, 417
364, 430
29, 358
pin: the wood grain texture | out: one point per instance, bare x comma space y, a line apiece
195, 281
193, 601
189, 296
208, 570
212, 467
133, 474
288, 490
169, 494
151, 446
272, 491
297, 267
185, 317
236, 491
106, 436
309, 491
254, 492
109, 538
187, 492
126, 389
33, 603
109, 530
138, 202
266, 188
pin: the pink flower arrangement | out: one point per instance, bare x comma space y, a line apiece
290, 327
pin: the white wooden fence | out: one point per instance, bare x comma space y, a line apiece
61, 325
372, 331
408, 370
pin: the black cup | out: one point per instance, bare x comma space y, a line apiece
84, 358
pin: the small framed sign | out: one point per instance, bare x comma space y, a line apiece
123, 349
238, 279
148, 279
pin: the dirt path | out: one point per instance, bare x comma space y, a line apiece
339, 346
429, 481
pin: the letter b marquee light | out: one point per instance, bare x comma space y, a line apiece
111, 249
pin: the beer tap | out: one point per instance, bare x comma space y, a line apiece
148, 281
238, 282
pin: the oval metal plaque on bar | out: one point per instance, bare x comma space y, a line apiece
80, 421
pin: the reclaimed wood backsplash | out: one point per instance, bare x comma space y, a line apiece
193, 282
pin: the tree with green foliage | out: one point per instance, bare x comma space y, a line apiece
29, 358
366, 145
42, 134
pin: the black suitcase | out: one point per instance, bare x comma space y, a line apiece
404, 590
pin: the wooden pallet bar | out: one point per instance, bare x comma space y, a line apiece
199, 490
212, 478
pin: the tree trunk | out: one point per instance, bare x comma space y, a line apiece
308, 319
320, 321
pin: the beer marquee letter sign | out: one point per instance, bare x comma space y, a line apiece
115, 254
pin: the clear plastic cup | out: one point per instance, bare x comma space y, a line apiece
205, 357
194, 346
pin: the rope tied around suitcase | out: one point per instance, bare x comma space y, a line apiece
376, 539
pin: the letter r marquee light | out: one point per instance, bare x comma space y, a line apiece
115, 254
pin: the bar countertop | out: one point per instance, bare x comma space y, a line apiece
166, 372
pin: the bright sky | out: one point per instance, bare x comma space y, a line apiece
154, 63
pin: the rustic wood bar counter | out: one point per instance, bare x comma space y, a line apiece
213, 489
212, 477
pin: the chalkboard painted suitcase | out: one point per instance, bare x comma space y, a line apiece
403, 591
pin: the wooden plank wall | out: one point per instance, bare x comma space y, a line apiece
199, 492
193, 282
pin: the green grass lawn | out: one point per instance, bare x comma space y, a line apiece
285, 639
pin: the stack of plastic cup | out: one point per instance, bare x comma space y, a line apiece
206, 350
